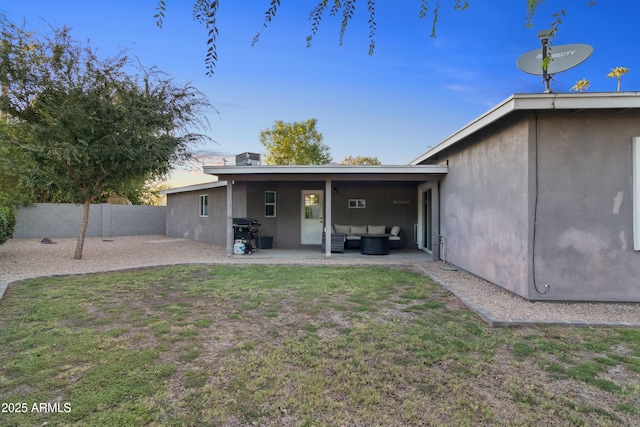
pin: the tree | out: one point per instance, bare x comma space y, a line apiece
360, 160
144, 192
297, 143
13, 191
7, 196
581, 85
90, 125
618, 72
152, 197
206, 12
7, 223
11, 162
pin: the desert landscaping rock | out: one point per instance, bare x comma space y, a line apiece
28, 258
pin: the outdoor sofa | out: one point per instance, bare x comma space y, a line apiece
353, 234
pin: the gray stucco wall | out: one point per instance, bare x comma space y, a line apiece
61, 220
485, 207
184, 220
545, 199
285, 226
388, 203
584, 231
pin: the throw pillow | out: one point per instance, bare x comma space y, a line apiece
342, 229
359, 229
395, 230
376, 229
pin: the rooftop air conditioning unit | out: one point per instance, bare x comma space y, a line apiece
248, 159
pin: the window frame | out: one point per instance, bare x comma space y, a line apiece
203, 206
268, 204
357, 203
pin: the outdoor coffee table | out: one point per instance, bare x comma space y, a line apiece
374, 244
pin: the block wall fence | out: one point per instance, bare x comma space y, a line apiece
61, 220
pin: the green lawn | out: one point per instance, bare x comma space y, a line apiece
274, 345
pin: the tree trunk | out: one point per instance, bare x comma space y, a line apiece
83, 229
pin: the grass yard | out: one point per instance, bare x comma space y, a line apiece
292, 345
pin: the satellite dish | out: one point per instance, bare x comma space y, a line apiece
564, 57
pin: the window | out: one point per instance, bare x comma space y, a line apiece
357, 203
312, 206
204, 205
270, 203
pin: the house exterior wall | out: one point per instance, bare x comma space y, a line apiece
540, 204
285, 226
388, 203
485, 207
584, 229
184, 220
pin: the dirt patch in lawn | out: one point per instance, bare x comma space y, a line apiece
306, 346
481, 382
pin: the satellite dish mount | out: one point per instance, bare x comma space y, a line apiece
548, 63
544, 37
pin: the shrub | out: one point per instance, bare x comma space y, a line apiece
7, 223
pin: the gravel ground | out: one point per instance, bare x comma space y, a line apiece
28, 258
501, 308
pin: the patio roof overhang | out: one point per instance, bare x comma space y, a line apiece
326, 172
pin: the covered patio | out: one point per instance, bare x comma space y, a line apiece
308, 200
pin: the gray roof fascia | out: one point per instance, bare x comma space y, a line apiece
324, 170
537, 101
195, 187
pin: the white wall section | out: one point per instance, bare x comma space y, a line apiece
636, 193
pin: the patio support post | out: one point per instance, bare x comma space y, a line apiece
327, 219
229, 217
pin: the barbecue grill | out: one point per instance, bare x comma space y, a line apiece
247, 230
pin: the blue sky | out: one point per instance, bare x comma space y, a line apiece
414, 92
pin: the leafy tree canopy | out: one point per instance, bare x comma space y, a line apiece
88, 123
10, 191
360, 160
7, 223
22, 183
12, 161
297, 143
